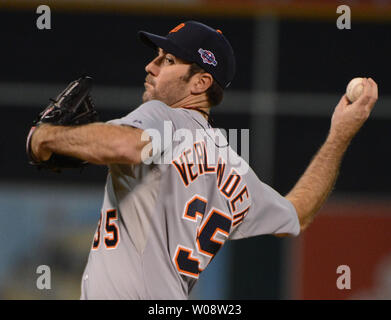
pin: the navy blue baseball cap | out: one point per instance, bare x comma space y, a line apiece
196, 42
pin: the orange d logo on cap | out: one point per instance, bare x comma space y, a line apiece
178, 27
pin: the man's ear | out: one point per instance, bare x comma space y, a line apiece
201, 82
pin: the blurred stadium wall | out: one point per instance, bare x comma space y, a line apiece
293, 65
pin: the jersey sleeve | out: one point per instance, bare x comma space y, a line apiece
157, 119
268, 213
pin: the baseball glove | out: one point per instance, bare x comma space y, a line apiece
73, 106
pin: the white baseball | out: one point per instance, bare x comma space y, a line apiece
354, 89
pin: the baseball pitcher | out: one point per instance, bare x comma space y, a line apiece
173, 194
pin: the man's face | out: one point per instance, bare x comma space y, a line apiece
166, 79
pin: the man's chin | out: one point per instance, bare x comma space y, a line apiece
147, 97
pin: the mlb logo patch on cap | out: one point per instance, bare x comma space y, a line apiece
207, 57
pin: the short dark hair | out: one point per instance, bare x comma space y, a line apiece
214, 92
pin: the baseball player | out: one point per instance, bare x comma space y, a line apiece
173, 195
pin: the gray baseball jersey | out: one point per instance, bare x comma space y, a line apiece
163, 221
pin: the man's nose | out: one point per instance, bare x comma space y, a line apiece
152, 68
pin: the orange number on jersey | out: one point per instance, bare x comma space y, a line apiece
111, 238
185, 261
95, 244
